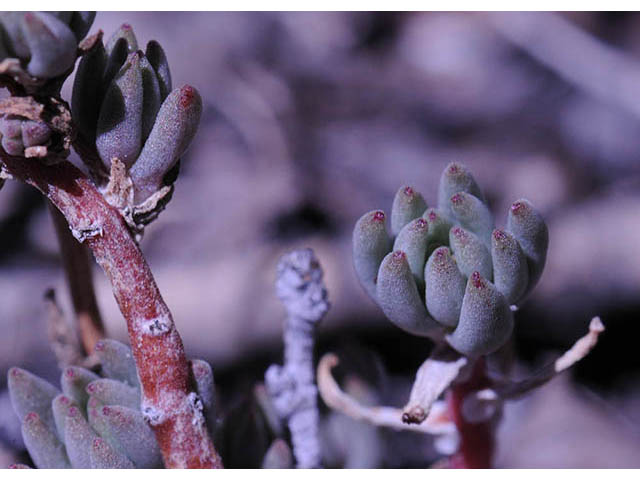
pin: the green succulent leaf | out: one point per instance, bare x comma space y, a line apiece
510, 272
473, 215
30, 393
455, 178
470, 253
117, 361
371, 243
407, 205
445, 287
530, 230
399, 298
43, 446
486, 321
413, 240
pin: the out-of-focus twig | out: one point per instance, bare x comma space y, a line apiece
577, 56
292, 387
62, 338
77, 267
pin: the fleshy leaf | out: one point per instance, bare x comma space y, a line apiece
486, 321
470, 253
119, 128
117, 361
370, 245
399, 299
134, 436
30, 393
407, 205
510, 272
176, 125
52, 45
445, 287
78, 438
74, 381
125, 32
473, 215
157, 58
455, 178
34, 133
80, 23
43, 446
86, 98
103, 455
113, 392
152, 99
60, 408
439, 227
412, 240
530, 230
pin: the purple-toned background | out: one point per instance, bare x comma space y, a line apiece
310, 120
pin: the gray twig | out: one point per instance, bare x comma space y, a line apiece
292, 387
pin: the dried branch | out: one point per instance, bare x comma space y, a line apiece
77, 267
434, 377
300, 287
579, 350
173, 411
436, 423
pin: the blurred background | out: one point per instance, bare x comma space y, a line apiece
312, 119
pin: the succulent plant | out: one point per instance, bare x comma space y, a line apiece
123, 103
45, 43
95, 421
18, 133
447, 272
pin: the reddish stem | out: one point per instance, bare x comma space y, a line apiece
477, 441
167, 402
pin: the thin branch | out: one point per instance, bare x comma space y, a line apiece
77, 267
300, 287
173, 411
437, 423
580, 349
434, 377
62, 338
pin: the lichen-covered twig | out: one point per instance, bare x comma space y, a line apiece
436, 423
173, 411
300, 287
75, 259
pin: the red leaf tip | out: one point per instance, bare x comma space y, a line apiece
378, 216
408, 191
399, 255
477, 280
187, 96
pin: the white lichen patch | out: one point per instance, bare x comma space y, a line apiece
157, 326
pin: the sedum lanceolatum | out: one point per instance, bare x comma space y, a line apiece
96, 420
447, 273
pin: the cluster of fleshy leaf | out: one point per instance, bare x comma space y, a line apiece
45, 43
447, 272
95, 421
18, 133
123, 103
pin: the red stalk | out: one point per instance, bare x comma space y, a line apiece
167, 402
